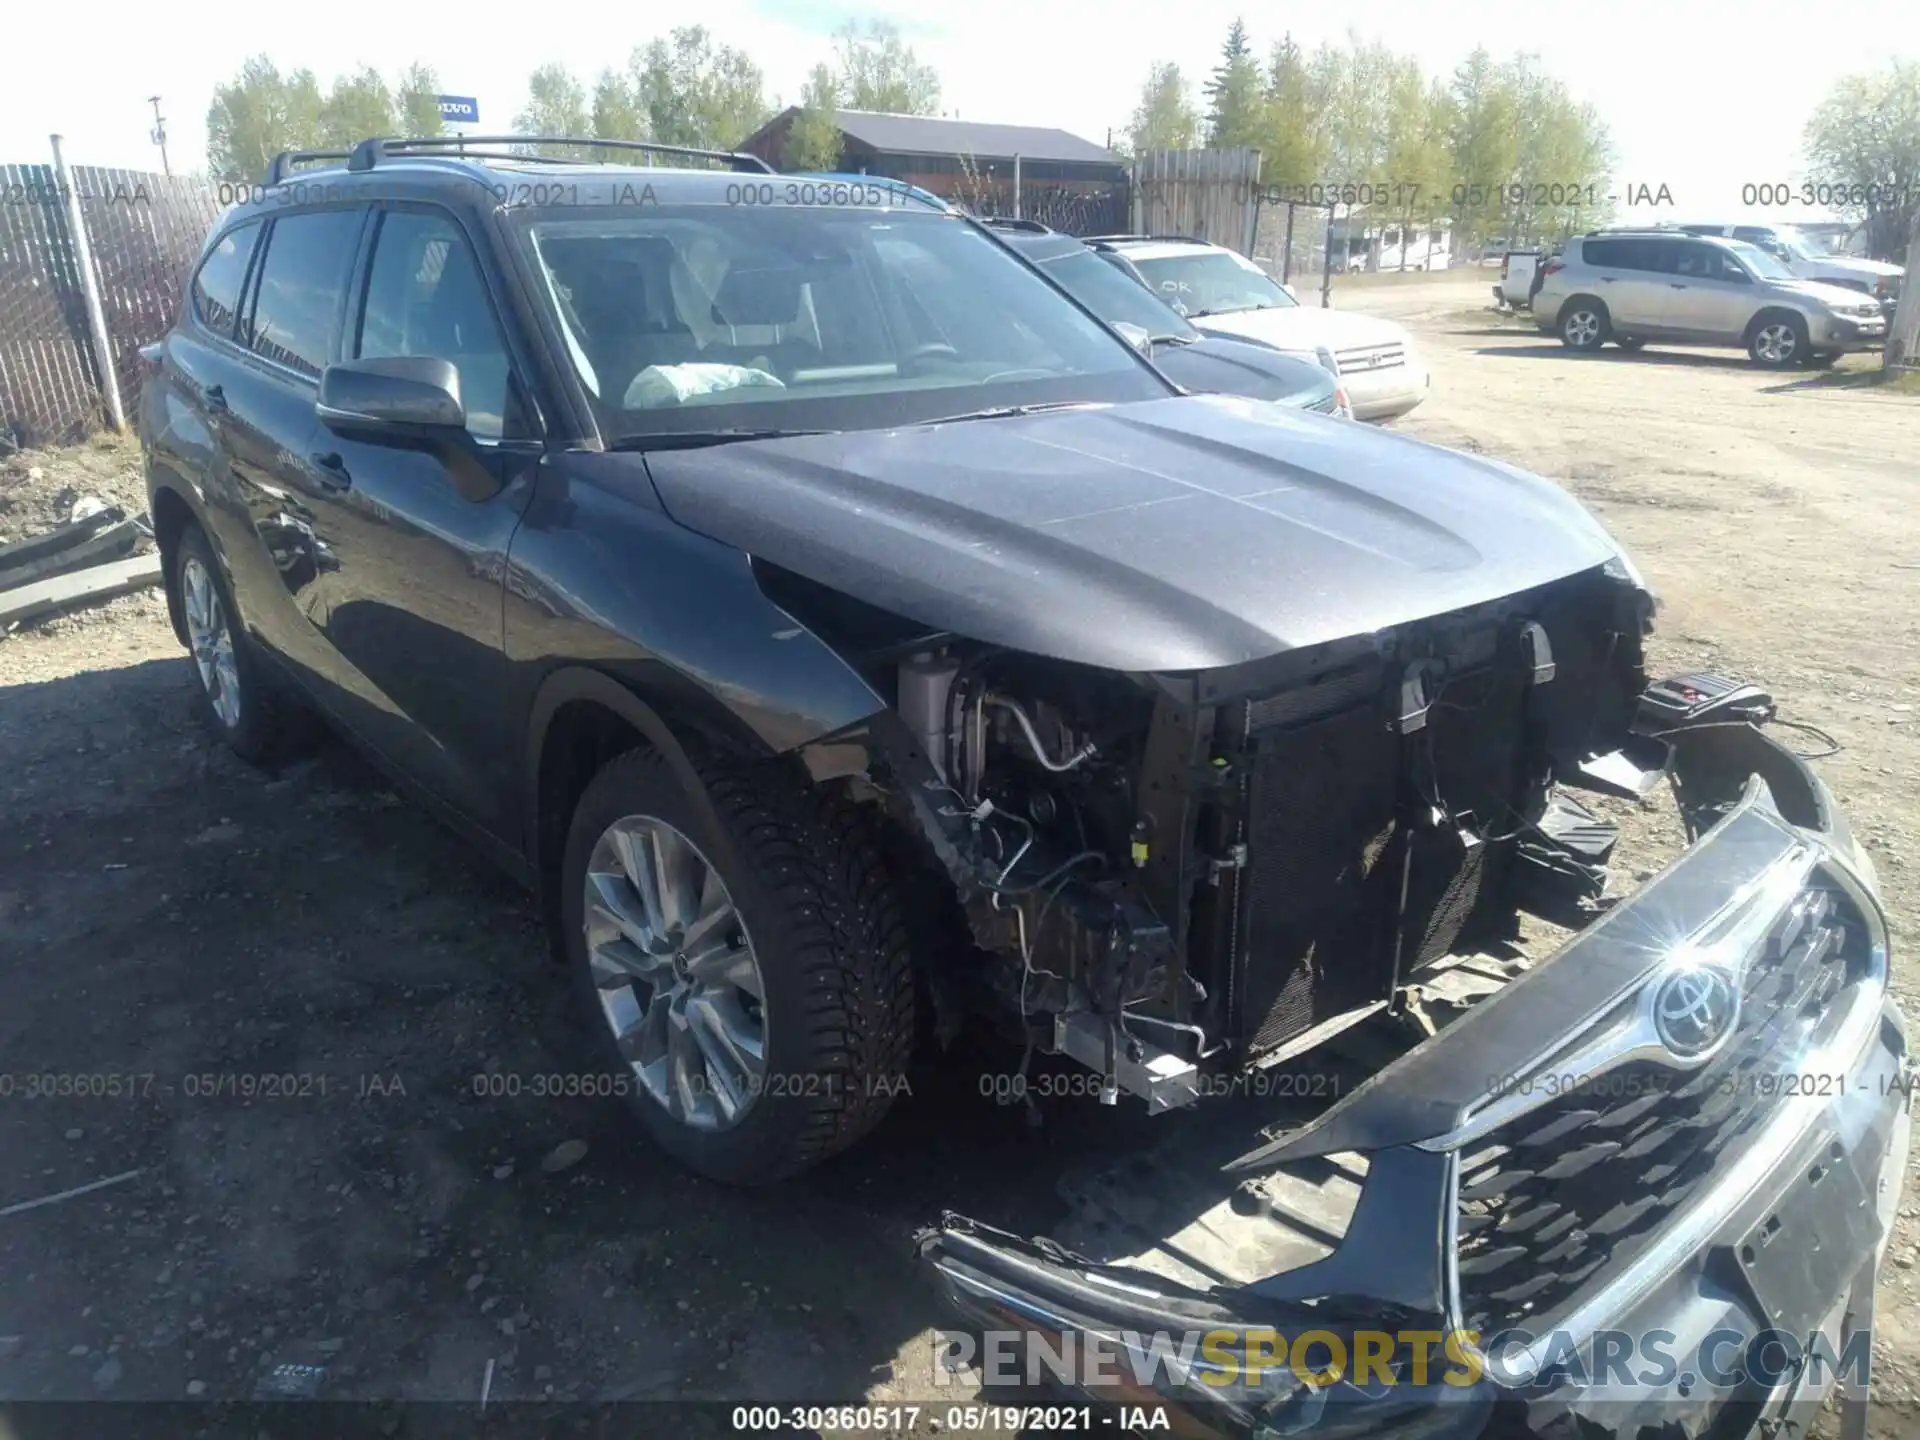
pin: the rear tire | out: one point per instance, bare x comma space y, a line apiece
240, 699
1584, 324
1777, 340
790, 898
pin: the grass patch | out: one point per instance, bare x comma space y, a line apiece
1864, 373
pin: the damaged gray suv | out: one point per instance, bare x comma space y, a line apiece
850, 639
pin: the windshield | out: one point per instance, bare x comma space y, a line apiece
1114, 297
1759, 261
1796, 245
1211, 282
699, 318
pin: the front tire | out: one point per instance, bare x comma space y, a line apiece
1778, 341
240, 700
1584, 325
749, 987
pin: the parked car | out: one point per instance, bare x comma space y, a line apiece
839, 628
1521, 274
1809, 261
1210, 364
1632, 288
1224, 293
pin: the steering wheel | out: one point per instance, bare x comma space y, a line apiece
1029, 372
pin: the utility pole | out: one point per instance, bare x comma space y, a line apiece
159, 132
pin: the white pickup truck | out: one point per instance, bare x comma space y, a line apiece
1809, 261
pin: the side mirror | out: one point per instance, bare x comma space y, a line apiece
393, 400
1138, 336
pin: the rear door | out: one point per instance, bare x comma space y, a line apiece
288, 318
1640, 299
415, 592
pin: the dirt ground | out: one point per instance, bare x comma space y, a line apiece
303, 1001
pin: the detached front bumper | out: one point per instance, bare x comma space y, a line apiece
1391, 390
1735, 1292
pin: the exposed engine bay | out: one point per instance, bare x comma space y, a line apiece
1167, 876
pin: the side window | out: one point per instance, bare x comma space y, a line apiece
1605, 254
425, 297
216, 285
298, 293
1698, 261
1662, 257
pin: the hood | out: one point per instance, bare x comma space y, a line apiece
1180, 534
1301, 328
1212, 365
1844, 296
1849, 265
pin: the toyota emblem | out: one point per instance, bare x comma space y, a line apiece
1693, 1010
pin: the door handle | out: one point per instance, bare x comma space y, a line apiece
1606, 279
1675, 285
330, 469
216, 399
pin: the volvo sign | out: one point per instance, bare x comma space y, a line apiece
459, 109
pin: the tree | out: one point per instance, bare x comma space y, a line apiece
1291, 136
1418, 167
879, 71
694, 92
1165, 118
357, 107
1864, 140
1484, 145
1234, 92
417, 102
617, 112
813, 140
258, 114
556, 105
261, 112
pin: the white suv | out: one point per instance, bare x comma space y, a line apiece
1809, 261
1224, 293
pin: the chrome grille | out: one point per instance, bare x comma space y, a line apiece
1365, 358
1560, 1198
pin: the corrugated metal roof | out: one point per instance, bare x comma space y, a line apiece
930, 135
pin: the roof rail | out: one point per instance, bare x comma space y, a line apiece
1015, 222
278, 167
369, 153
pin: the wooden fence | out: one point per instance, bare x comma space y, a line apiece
144, 230
1203, 194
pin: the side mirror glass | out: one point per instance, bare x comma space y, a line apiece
392, 399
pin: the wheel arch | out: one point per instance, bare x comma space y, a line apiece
581, 718
1766, 312
171, 513
1582, 297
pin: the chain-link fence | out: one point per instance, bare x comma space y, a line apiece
144, 231
1291, 243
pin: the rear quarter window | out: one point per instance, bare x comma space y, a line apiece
215, 292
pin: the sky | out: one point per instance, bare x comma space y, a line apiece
1701, 99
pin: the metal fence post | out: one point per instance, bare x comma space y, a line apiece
90, 287
1016, 187
1286, 265
1326, 273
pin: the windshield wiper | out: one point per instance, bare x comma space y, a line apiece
1007, 412
696, 439
1174, 339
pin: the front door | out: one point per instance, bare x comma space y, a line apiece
414, 600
